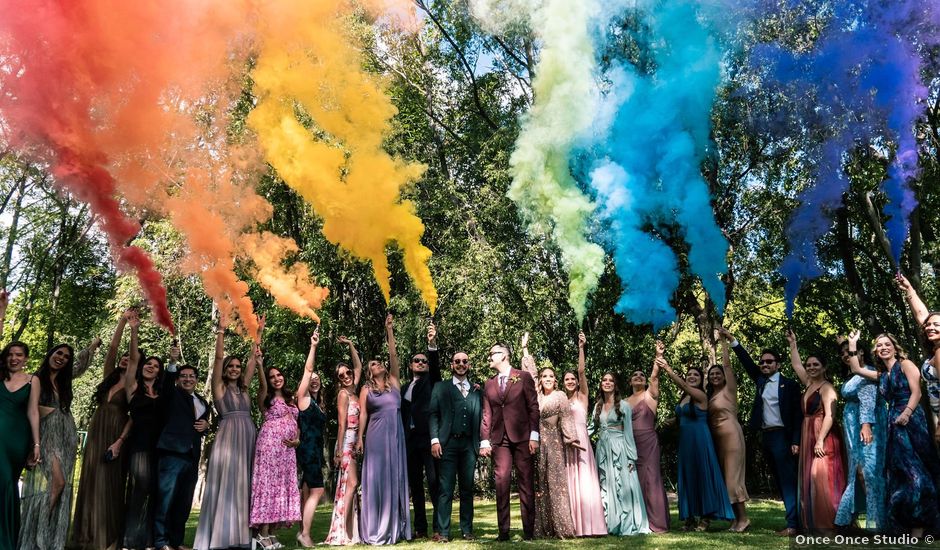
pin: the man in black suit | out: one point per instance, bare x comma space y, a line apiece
185, 420
777, 416
454, 421
415, 400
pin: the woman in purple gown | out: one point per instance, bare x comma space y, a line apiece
384, 516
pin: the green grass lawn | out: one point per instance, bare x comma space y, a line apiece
766, 517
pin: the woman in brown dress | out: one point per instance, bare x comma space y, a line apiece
556, 433
643, 401
722, 392
99, 508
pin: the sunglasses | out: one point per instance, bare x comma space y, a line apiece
492, 353
461, 361
420, 361
767, 361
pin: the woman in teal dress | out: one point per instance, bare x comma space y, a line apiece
19, 424
311, 420
703, 495
616, 456
864, 418
912, 464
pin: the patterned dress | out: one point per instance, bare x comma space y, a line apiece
624, 508
552, 505
338, 534
913, 468
275, 498
931, 376
863, 405
822, 479
223, 520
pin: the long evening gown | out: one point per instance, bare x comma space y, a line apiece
142, 471
45, 527
702, 490
584, 490
822, 479
552, 505
275, 497
913, 468
863, 404
384, 517
99, 508
931, 375
616, 454
310, 451
648, 461
14, 450
224, 517
338, 534
729, 442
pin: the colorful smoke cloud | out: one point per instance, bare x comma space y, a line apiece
566, 95
308, 65
109, 94
652, 131
859, 84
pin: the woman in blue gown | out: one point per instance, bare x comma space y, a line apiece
703, 495
865, 420
912, 464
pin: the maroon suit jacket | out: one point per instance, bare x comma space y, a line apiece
515, 414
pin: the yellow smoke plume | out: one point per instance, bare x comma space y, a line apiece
306, 63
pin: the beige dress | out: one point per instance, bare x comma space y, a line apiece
729, 442
552, 506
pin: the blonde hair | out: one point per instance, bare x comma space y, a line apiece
899, 353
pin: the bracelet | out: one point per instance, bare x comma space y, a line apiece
909, 409
36, 445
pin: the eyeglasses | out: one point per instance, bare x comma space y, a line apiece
492, 353
420, 360
767, 361
461, 361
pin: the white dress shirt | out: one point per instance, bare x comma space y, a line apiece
771, 397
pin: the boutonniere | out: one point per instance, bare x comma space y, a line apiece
476, 387
514, 378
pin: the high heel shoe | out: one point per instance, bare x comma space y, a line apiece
304, 540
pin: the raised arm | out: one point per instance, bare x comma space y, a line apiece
696, 394
133, 360
110, 360
262, 382
354, 358
795, 358
750, 367
394, 367
854, 364
434, 355
303, 399
731, 379
582, 372
255, 353
218, 385
84, 358
653, 391
918, 308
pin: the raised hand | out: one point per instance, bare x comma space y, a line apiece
791, 337
662, 363
660, 349
854, 336
841, 339
525, 340
344, 340
315, 338
725, 333
132, 318
432, 333
902, 282
261, 320
4, 300
582, 339
389, 322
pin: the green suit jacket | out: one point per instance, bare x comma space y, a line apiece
444, 401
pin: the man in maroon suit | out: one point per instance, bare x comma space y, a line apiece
510, 433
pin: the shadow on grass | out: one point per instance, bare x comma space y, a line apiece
766, 517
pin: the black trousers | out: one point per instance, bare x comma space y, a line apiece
176, 483
420, 465
457, 464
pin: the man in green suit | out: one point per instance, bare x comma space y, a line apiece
454, 422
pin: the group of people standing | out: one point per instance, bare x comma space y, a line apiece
145, 438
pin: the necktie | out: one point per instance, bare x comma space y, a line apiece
502, 385
463, 388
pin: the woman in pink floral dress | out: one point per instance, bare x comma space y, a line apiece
344, 523
275, 498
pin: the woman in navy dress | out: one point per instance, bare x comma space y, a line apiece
311, 420
913, 467
702, 492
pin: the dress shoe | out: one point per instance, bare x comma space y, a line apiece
437, 537
469, 536
788, 532
503, 537
419, 535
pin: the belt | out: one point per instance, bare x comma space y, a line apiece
772, 429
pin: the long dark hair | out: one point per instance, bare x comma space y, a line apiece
928, 346
320, 399
286, 393
5, 354
701, 386
141, 383
63, 380
101, 392
599, 405
709, 390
